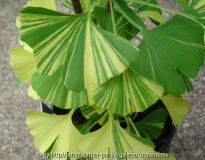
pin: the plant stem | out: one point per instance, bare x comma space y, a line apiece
113, 18
76, 6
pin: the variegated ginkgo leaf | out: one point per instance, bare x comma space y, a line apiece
88, 53
52, 89
49, 4
127, 92
47, 128
113, 138
24, 62
176, 106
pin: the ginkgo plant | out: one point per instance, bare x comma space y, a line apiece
87, 61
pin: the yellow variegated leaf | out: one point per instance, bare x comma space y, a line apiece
88, 53
176, 106
58, 129
127, 92
113, 138
52, 89
24, 62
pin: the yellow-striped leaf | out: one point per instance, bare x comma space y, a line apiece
127, 92
58, 129
113, 138
52, 89
88, 53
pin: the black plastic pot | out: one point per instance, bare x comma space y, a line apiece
165, 148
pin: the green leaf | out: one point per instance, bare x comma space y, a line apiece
126, 93
47, 128
176, 106
183, 4
115, 139
163, 50
152, 125
68, 4
88, 53
104, 19
52, 89
24, 62
18, 81
129, 15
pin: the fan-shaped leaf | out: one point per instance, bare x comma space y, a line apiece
115, 139
176, 106
127, 92
163, 50
52, 89
48, 128
24, 62
88, 53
